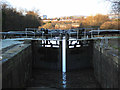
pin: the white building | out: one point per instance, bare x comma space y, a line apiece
44, 17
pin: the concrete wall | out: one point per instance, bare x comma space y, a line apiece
51, 58
45, 57
19, 60
79, 57
17, 66
105, 63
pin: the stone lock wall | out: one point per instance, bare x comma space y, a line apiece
79, 58
105, 63
45, 57
17, 66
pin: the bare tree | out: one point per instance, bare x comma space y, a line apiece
115, 6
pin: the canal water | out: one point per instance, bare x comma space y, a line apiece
53, 79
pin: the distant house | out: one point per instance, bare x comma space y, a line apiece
113, 16
75, 25
46, 20
57, 26
65, 19
63, 26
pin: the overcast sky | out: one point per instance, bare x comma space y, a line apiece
57, 8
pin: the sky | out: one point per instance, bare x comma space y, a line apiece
58, 8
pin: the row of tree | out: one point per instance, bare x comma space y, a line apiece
100, 21
94, 21
111, 25
17, 20
97, 21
